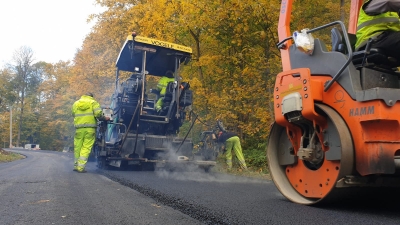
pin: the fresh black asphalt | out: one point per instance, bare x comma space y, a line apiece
43, 189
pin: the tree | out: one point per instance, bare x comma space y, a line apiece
25, 81
23, 59
233, 68
55, 119
7, 93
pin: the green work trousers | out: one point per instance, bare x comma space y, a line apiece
234, 143
83, 143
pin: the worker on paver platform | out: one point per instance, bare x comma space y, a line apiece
162, 87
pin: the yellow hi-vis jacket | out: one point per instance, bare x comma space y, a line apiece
372, 26
85, 112
162, 84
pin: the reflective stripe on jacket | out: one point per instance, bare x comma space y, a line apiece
373, 26
85, 112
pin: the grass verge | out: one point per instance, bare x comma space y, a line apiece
6, 156
253, 171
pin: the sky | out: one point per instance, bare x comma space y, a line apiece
53, 29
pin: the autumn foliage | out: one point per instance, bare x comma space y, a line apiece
235, 60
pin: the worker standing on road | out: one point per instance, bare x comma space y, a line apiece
85, 112
162, 87
379, 20
232, 141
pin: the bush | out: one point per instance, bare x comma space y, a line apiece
256, 159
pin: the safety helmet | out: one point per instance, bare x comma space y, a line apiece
169, 74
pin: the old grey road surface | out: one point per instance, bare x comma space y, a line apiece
43, 189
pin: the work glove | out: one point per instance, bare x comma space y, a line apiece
103, 118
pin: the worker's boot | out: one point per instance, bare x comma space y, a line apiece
81, 169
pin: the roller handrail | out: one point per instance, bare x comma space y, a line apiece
281, 45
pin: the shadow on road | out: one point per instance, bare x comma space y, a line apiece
373, 201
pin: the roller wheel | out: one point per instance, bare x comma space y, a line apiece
310, 182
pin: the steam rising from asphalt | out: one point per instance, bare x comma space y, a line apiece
191, 172
202, 176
